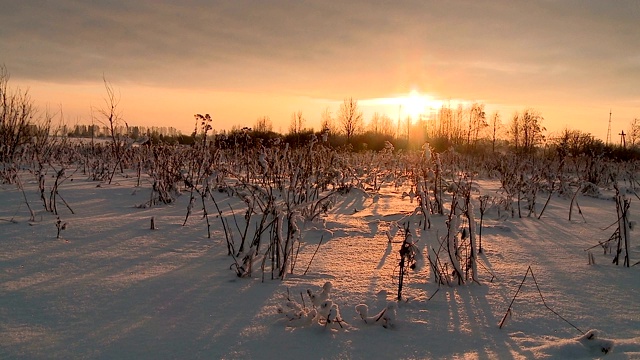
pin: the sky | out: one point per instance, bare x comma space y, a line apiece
573, 60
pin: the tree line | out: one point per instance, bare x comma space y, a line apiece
466, 128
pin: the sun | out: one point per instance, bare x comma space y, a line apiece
415, 105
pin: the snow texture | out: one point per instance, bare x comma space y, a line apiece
111, 288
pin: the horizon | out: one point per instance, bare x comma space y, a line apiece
572, 61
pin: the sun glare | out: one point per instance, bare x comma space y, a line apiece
416, 105
413, 105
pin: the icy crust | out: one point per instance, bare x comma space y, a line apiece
111, 287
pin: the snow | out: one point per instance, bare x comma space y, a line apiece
112, 288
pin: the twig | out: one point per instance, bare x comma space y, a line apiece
573, 199
612, 224
580, 211
548, 199
65, 202
434, 294
314, 255
514, 298
230, 244
493, 276
547, 306
599, 244
529, 270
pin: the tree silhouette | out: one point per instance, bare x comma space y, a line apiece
350, 118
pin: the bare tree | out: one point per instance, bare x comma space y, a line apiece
263, 124
327, 123
350, 118
526, 130
111, 118
573, 142
445, 120
382, 124
457, 134
514, 130
16, 118
496, 125
297, 123
387, 126
532, 129
477, 122
374, 123
634, 132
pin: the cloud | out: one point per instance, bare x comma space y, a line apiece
328, 48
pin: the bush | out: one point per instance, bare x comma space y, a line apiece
16, 119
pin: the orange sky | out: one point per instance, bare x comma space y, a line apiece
240, 60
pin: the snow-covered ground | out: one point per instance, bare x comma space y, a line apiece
112, 288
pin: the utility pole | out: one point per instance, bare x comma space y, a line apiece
609, 130
623, 141
399, 119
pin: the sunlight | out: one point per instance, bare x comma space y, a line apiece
413, 105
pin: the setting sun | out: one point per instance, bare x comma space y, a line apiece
413, 105
417, 104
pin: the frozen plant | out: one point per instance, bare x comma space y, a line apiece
290, 309
389, 316
410, 258
484, 203
426, 152
334, 316
60, 226
453, 225
437, 185
323, 310
318, 298
296, 315
472, 259
423, 200
363, 311
304, 318
262, 160
50, 205
591, 341
386, 317
622, 208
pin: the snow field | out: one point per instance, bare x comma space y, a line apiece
113, 288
